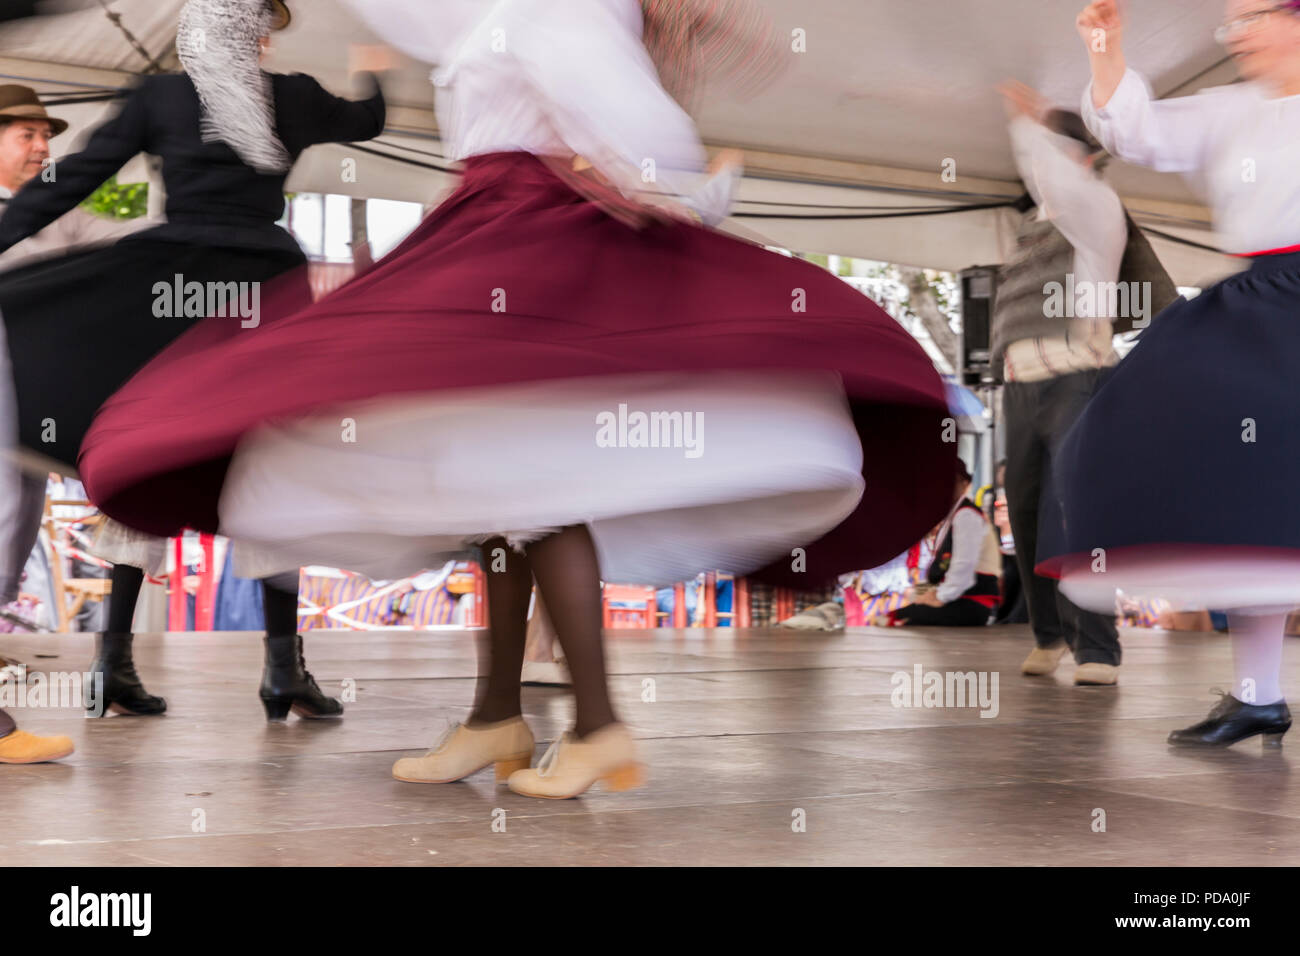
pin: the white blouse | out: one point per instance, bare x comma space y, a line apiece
1077, 201
555, 78
1239, 147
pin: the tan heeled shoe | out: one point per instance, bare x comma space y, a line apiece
22, 747
465, 750
1043, 660
1096, 674
572, 766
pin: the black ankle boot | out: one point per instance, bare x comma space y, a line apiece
1231, 721
121, 690
286, 684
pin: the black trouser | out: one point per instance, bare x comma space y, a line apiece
1038, 414
1011, 609
18, 539
958, 613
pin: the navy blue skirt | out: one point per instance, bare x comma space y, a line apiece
1191, 445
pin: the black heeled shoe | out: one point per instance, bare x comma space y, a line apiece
1231, 721
121, 690
287, 685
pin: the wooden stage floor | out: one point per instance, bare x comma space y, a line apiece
745, 729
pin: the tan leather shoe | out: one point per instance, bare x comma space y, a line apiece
571, 766
22, 747
466, 749
1094, 673
1043, 660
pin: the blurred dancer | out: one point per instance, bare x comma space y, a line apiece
516, 344
25, 133
78, 325
1073, 238
1207, 393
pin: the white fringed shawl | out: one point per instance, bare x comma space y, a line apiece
217, 42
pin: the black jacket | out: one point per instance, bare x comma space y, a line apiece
213, 197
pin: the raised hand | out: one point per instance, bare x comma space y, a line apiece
1022, 100
727, 159
1101, 25
371, 59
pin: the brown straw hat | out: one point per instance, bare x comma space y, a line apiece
280, 14
21, 102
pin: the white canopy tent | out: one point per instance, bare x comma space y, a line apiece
861, 126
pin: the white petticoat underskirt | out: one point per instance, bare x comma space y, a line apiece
1222, 582
118, 544
781, 465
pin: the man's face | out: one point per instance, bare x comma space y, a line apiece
24, 148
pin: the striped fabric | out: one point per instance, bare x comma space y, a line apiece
380, 607
1142, 613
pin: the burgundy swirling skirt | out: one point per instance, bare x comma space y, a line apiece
517, 279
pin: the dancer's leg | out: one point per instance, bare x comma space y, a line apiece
126, 583
568, 576
1257, 656
21, 529
286, 682
1255, 706
115, 654
1026, 467
959, 613
280, 606
501, 655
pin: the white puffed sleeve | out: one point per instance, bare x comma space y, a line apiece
1167, 135
426, 30
969, 529
1077, 201
602, 92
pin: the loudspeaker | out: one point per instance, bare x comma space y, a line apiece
978, 288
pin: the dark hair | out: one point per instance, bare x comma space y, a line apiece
962, 471
1069, 123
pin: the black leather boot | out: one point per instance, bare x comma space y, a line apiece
287, 685
1231, 721
121, 689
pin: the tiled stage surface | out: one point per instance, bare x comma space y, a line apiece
745, 729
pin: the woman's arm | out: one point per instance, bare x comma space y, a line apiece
608, 105
1166, 135
1101, 26
336, 120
